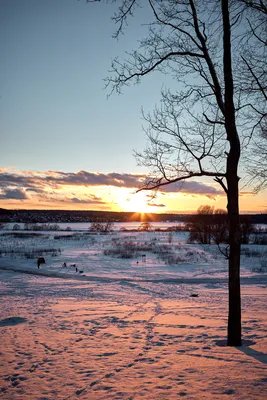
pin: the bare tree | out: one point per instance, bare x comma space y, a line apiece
196, 130
145, 226
246, 229
220, 233
2, 225
209, 226
102, 227
201, 225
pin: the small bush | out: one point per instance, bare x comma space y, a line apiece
177, 228
247, 252
260, 239
120, 253
127, 249
30, 253
75, 236
41, 227
24, 235
262, 267
172, 258
263, 263
102, 227
161, 249
16, 227
145, 226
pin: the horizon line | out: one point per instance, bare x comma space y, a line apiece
121, 212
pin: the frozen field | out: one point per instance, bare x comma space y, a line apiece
127, 328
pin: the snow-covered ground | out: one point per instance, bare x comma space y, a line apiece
127, 328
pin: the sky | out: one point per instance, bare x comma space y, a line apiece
66, 144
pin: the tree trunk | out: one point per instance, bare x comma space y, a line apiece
234, 315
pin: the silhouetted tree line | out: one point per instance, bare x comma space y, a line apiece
211, 225
57, 216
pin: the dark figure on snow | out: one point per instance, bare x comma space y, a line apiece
40, 261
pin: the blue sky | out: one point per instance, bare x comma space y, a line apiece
54, 111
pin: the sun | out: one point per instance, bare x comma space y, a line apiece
136, 202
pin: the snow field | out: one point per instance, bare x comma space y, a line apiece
127, 328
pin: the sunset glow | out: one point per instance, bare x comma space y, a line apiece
136, 202
85, 190
65, 145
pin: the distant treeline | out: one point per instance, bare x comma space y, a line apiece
57, 216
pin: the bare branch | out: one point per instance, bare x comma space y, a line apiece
151, 185
123, 79
217, 87
220, 181
262, 89
212, 122
224, 252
